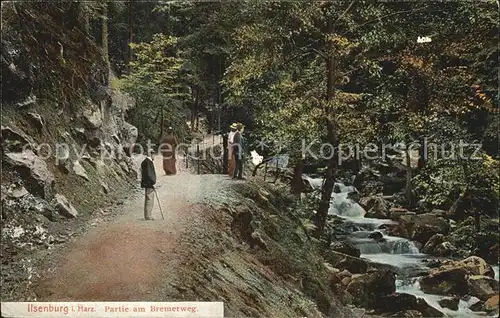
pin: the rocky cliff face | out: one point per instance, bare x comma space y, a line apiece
57, 169
63, 151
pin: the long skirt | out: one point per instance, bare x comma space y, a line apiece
230, 162
169, 165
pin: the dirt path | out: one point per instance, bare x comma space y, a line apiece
129, 258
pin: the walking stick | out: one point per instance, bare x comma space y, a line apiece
157, 199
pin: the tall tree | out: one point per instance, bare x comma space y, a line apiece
157, 82
104, 39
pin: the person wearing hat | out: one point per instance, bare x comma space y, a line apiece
148, 181
230, 138
238, 152
168, 147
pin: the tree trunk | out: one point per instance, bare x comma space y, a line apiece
211, 121
104, 41
225, 153
162, 123
357, 160
422, 154
359, 181
264, 162
130, 36
297, 185
331, 127
194, 111
408, 188
327, 189
477, 219
459, 208
220, 96
469, 195
86, 18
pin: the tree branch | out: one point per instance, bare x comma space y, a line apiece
344, 13
386, 16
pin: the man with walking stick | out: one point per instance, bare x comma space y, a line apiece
238, 152
148, 180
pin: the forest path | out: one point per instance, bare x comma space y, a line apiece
128, 258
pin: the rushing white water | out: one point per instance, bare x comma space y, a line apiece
369, 224
386, 244
340, 205
402, 246
463, 306
395, 251
343, 206
316, 183
397, 260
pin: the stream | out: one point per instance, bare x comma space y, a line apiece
398, 252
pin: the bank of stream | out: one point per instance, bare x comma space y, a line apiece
402, 255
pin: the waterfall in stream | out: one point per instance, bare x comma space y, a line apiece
381, 248
433, 300
386, 244
362, 227
343, 206
404, 247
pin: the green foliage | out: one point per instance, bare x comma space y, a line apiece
265, 64
456, 164
438, 185
406, 91
157, 63
203, 29
472, 242
157, 84
276, 67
